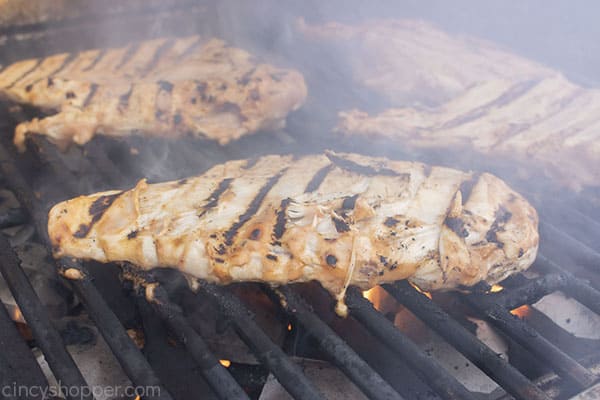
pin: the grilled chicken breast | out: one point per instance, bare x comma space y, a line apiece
459, 94
25, 12
551, 123
340, 219
164, 87
413, 62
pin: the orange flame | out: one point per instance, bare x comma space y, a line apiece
370, 294
289, 327
378, 296
496, 289
225, 363
137, 397
17, 315
521, 312
427, 294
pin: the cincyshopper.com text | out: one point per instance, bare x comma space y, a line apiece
77, 392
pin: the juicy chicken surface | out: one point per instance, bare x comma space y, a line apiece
456, 93
340, 219
165, 87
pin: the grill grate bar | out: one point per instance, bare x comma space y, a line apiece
21, 366
219, 379
530, 292
428, 369
529, 338
498, 369
47, 338
6, 380
578, 288
578, 251
12, 217
128, 355
581, 226
369, 381
131, 359
287, 373
45, 150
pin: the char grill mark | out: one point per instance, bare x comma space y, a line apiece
67, 61
349, 202
250, 163
340, 225
124, 99
457, 225
160, 51
25, 74
279, 227
331, 260
466, 187
96, 60
390, 222
213, 199
96, 211
128, 55
252, 208
501, 218
318, 178
91, 94
191, 48
505, 98
366, 170
245, 79
427, 170
165, 86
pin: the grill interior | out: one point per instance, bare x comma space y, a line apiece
380, 359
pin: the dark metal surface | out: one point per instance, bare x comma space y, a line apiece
488, 361
47, 338
132, 361
12, 217
530, 339
430, 371
219, 379
575, 287
129, 356
369, 381
287, 373
17, 363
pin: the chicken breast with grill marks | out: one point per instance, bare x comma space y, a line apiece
340, 219
457, 94
165, 87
